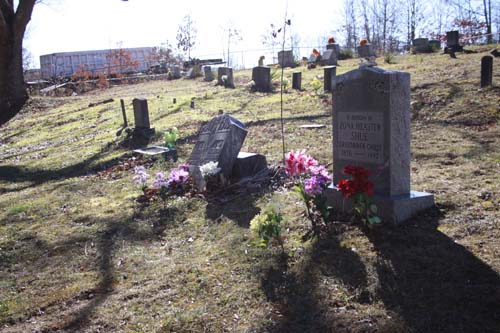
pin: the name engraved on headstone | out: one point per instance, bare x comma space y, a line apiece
361, 136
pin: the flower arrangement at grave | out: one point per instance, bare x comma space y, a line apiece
316, 85
360, 189
178, 182
209, 172
311, 179
331, 40
170, 137
266, 227
316, 53
225, 80
363, 42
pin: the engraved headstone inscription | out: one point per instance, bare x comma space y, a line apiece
219, 140
371, 128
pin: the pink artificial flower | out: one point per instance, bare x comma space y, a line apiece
297, 162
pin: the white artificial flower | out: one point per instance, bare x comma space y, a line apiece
210, 168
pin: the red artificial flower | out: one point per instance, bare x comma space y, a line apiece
359, 182
331, 40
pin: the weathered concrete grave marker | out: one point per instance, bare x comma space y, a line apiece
297, 80
228, 80
261, 76
329, 73
486, 71
371, 128
452, 42
421, 45
285, 58
141, 112
365, 51
142, 132
209, 75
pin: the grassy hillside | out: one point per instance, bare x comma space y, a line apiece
79, 253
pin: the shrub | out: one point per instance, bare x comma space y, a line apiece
346, 54
389, 58
266, 227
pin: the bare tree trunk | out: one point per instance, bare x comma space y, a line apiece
487, 17
13, 93
13, 23
366, 22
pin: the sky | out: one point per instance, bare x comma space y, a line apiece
79, 25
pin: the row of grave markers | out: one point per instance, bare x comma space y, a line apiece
371, 128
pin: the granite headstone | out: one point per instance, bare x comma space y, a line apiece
208, 74
141, 112
261, 76
365, 51
371, 128
219, 140
421, 45
452, 42
285, 58
330, 56
297, 80
226, 72
329, 72
486, 71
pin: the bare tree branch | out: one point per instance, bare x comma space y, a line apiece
23, 16
6, 7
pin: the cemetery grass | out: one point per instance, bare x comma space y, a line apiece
79, 253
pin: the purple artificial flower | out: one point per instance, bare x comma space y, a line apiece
178, 176
140, 176
318, 181
312, 186
321, 173
161, 180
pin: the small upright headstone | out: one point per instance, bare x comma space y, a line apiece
124, 114
227, 73
329, 58
452, 42
333, 46
176, 72
371, 128
219, 140
486, 71
142, 132
285, 58
421, 45
141, 112
297, 80
209, 75
329, 73
261, 76
365, 51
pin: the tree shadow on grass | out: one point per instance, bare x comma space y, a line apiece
241, 209
304, 305
433, 283
19, 174
113, 232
